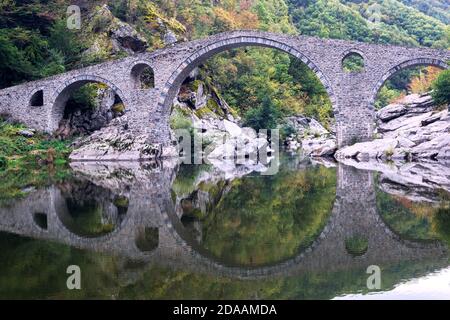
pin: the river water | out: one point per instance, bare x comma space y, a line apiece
314, 230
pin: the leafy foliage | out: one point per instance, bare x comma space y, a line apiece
441, 88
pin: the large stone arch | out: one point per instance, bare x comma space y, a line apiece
63, 92
402, 66
217, 46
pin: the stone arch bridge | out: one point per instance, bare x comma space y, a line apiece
40, 104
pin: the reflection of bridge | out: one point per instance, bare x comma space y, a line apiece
40, 104
151, 206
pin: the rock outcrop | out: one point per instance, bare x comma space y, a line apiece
115, 143
412, 129
309, 135
112, 36
216, 123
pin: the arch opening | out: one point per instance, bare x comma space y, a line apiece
411, 77
143, 76
260, 85
353, 63
85, 106
37, 99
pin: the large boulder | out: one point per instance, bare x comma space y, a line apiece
363, 151
309, 135
116, 143
411, 129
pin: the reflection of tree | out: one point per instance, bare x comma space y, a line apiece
400, 215
441, 224
415, 220
265, 219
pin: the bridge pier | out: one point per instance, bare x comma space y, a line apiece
355, 118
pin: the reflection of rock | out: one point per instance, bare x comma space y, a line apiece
124, 178
411, 129
419, 182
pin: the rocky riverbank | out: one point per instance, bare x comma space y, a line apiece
411, 129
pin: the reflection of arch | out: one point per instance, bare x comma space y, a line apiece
404, 65
352, 214
206, 52
147, 239
62, 94
143, 76
64, 219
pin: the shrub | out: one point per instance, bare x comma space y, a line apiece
441, 88
3, 163
179, 121
263, 117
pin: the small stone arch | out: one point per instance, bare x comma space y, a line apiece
142, 75
404, 65
41, 220
62, 94
37, 98
353, 53
218, 46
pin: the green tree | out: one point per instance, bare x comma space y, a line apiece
264, 117
441, 88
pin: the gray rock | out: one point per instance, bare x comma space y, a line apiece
392, 111
410, 129
170, 38
115, 143
319, 147
26, 133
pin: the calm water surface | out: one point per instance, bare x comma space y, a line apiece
213, 232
